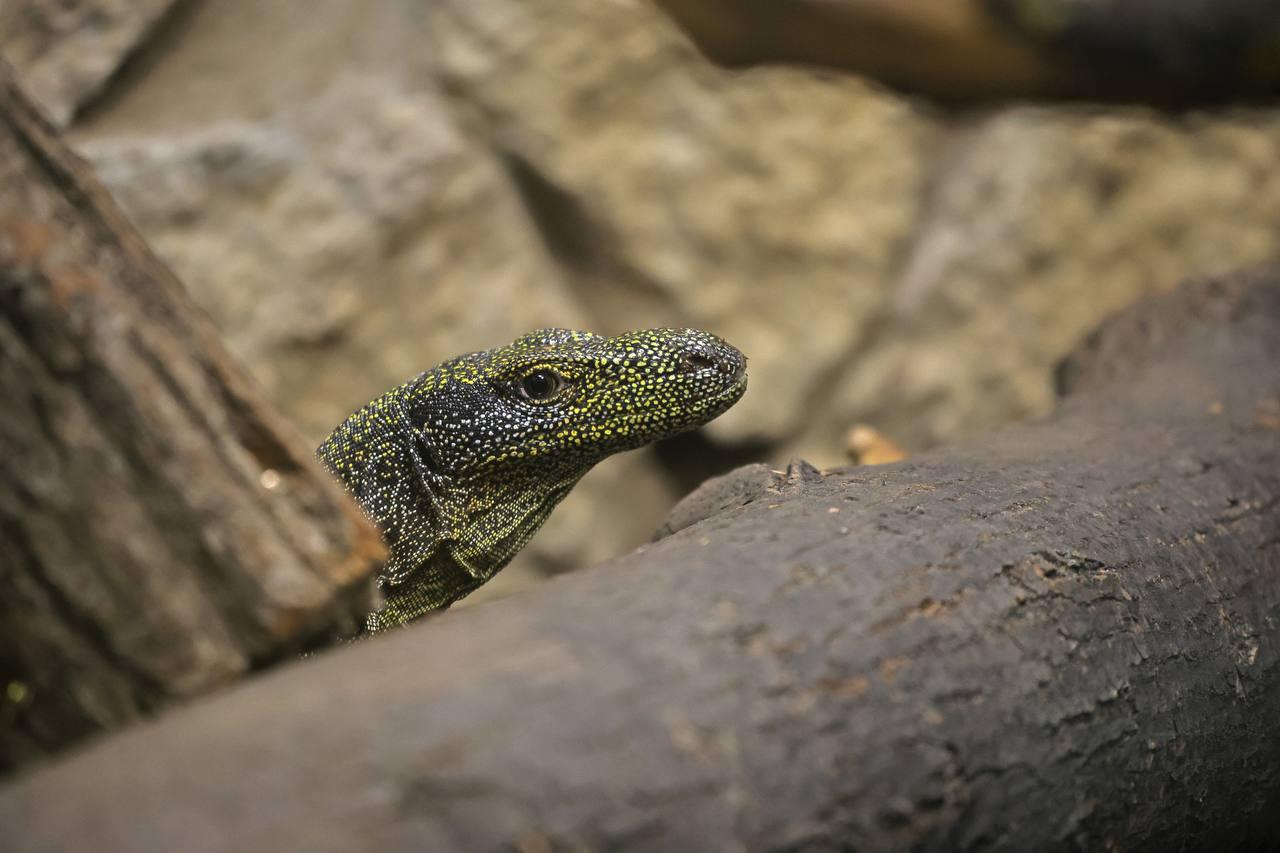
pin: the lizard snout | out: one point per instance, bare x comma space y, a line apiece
732, 364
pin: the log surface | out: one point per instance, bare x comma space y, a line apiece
1064, 636
162, 532
1169, 52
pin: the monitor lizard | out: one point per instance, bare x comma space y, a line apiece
460, 466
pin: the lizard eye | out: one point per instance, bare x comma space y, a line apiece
541, 385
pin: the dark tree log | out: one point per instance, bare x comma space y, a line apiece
1066, 636
161, 530
1166, 51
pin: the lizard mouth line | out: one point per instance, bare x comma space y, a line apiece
728, 395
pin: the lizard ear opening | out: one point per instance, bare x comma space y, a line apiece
430, 470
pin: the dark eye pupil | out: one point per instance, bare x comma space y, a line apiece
540, 385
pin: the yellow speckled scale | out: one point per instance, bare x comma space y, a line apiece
461, 465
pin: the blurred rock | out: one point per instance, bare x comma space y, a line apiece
220, 60
343, 246
866, 445
357, 191
66, 51
770, 208
1040, 222
877, 263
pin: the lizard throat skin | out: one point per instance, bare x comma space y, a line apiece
462, 464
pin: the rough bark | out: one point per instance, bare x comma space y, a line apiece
1065, 636
161, 531
1168, 51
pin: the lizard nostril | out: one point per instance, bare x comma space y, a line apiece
693, 362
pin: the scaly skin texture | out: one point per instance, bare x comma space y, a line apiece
461, 465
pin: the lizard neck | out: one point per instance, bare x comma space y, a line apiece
493, 522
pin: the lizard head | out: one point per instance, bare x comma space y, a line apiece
563, 399
459, 466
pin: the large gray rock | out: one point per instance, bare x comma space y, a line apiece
344, 245
771, 207
878, 263
1041, 222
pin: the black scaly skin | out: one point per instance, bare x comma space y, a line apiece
461, 465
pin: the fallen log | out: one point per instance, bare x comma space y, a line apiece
1064, 636
1169, 52
162, 531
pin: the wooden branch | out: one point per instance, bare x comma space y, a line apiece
1065, 636
1165, 51
161, 531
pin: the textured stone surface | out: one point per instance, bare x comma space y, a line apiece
879, 263
67, 50
344, 245
676, 192
355, 192
1039, 223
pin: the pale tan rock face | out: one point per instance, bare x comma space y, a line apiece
344, 245
734, 202
356, 195
67, 50
1040, 222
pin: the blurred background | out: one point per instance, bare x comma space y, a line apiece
356, 191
